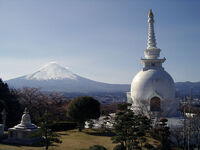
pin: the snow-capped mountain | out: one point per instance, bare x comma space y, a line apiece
53, 77
52, 71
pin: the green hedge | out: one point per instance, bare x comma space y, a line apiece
63, 126
119, 147
97, 147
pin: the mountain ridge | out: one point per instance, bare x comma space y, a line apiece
54, 77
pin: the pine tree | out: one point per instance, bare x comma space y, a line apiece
130, 128
12, 106
164, 134
45, 131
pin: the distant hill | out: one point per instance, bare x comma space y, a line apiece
184, 88
53, 77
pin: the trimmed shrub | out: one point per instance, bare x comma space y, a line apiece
82, 109
119, 147
149, 146
97, 147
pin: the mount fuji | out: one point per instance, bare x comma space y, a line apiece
54, 77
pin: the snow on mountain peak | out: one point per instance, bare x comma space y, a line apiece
52, 71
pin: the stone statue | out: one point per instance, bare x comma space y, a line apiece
24, 133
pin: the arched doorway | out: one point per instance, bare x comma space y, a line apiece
155, 104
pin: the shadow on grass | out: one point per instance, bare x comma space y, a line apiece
101, 133
33, 145
14, 143
43, 144
11, 144
3, 142
63, 134
20, 145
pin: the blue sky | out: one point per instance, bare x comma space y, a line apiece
99, 39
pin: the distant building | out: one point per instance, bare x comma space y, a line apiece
153, 89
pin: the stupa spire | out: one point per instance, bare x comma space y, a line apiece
152, 52
151, 43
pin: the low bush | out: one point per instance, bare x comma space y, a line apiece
119, 147
149, 146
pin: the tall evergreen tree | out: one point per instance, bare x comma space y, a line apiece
11, 104
2, 105
164, 134
50, 137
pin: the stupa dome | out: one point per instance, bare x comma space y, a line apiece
152, 82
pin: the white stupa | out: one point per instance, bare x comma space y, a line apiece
152, 89
23, 133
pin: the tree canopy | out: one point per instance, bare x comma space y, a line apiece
50, 137
2, 105
38, 102
130, 128
82, 109
12, 106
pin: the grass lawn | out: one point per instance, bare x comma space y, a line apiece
74, 140
71, 140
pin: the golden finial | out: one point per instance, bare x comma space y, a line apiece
150, 13
26, 110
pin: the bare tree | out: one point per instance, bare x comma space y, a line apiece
38, 102
177, 135
195, 129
